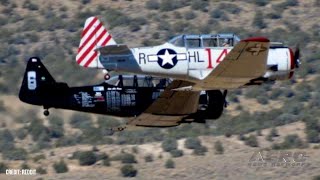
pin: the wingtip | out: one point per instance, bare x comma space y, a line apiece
256, 39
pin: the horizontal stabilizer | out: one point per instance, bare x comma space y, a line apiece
114, 50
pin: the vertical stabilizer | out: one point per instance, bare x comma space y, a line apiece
94, 35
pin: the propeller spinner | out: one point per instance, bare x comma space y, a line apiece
297, 57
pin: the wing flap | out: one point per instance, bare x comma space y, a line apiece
170, 108
150, 120
173, 102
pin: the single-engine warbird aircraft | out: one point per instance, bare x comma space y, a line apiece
129, 96
203, 68
198, 59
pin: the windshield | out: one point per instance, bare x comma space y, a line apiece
177, 41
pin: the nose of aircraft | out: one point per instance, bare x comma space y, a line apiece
294, 59
297, 57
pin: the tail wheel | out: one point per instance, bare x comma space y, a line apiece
46, 112
107, 76
216, 104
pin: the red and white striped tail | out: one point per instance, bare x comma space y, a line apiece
94, 35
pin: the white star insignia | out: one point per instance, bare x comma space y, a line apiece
167, 58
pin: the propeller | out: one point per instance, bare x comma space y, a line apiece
297, 57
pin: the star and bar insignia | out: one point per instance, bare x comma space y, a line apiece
167, 58
258, 48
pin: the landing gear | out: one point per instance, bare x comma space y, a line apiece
225, 92
121, 128
46, 112
216, 104
118, 129
211, 105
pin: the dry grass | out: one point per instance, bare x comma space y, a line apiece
233, 164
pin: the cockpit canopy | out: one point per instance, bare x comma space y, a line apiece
139, 81
205, 40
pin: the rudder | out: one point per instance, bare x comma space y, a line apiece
94, 35
35, 76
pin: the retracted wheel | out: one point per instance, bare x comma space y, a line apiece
216, 104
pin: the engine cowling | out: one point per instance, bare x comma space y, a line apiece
281, 63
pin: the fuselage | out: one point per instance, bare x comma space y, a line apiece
122, 97
184, 57
193, 59
169, 61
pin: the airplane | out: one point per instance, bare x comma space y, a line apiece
209, 61
127, 96
196, 72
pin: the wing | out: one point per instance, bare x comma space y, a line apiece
246, 61
170, 107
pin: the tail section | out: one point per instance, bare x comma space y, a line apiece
35, 78
94, 35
